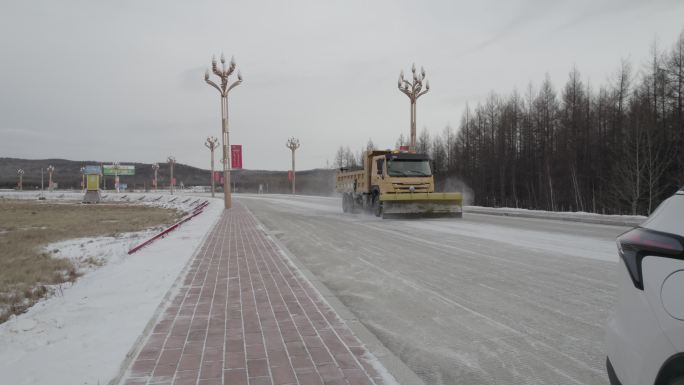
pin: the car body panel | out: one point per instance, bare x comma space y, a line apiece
637, 346
671, 295
656, 271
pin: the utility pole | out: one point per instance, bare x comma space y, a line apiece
293, 145
50, 170
413, 90
223, 90
155, 168
172, 162
211, 144
20, 173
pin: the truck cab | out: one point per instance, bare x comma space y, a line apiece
401, 172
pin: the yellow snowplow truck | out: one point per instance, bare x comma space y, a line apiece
396, 184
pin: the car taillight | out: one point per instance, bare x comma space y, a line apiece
637, 243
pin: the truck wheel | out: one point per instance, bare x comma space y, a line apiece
345, 203
377, 205
353, 205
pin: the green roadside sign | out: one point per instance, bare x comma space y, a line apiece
111, 169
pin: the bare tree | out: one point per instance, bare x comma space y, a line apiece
423, 143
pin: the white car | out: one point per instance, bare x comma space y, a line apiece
645, 335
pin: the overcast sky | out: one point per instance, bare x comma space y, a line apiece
123, 80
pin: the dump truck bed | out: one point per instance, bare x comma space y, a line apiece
351, 181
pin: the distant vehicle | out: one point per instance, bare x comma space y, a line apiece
645, 335
395, 184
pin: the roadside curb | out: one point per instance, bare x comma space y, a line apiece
395, 366
598, 220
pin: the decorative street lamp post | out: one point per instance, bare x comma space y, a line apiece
20, 173
211, 144
50, 170
172, 162
155, 167
293, 145
413, 90
223, 89
116, 176
83, 185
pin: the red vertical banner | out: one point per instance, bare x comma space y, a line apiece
173, 181
236, 156
217, 176
289, 175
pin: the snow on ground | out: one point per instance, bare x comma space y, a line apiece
82, 334
552, 243
579, 216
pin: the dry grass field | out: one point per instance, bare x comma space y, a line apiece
26, 227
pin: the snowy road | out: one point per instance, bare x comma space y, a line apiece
481, 300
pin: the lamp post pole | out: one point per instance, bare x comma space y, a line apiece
116, 176
211, 144
104, 177
413, 90
293, 145
172, 162
82, 169
223, 89
20, 173
155, 168
50, 170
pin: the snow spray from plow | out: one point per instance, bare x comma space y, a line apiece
195, 212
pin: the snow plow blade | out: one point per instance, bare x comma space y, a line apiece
422, 205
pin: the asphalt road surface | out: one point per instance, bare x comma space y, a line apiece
479, 300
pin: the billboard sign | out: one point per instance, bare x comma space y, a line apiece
236, 156
110, 169
90, 169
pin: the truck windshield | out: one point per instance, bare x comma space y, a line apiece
402, 167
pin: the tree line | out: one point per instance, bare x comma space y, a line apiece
615, 149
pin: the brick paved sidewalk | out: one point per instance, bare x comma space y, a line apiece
244, 316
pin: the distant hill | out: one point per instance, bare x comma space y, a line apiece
67, 175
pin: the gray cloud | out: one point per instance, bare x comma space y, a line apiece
123, 80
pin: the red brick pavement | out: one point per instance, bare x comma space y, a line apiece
244, 316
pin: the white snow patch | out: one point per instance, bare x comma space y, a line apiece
551, 242
82, 335
579, 216
89, 253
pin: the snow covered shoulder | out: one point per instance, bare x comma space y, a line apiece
83, 333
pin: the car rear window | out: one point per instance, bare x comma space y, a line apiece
668, 217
